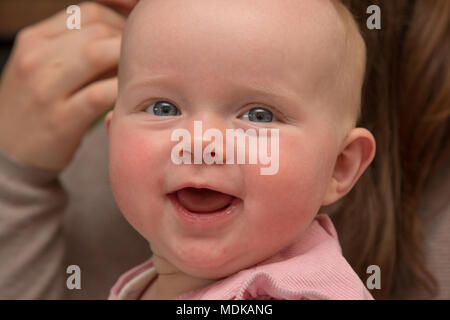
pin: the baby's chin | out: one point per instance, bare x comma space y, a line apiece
210, 265
218, 265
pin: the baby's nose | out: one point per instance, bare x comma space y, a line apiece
208, 141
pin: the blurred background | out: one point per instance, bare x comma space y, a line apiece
17, 14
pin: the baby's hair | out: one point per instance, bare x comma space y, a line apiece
355, 47
347, 82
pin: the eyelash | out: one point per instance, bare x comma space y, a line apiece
278, 115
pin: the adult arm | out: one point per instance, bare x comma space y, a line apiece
31, 237
52, 89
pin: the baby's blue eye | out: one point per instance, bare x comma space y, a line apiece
258, 115
163, 108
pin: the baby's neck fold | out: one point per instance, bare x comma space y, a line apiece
171, 282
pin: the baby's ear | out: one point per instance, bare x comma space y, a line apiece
357, 154
108, 121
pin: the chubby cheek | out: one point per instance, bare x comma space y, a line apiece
134, 154
281, 206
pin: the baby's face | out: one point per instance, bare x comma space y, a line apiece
214, 61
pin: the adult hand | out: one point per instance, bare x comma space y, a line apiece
124, 6
54, 86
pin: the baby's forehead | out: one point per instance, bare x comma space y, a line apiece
300, 27
262, 37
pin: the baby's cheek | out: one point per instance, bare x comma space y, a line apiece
284, 204
136, 184
305, 167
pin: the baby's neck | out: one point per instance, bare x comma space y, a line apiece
171, 282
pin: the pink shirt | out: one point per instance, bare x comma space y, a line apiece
311, 268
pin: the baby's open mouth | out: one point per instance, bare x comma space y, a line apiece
203, 200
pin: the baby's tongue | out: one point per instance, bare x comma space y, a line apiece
203, 200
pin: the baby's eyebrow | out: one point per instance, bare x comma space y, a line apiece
271, 91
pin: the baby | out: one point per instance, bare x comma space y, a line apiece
225, 231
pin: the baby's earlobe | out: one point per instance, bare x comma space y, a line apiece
331, 195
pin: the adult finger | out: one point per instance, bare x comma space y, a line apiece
123, 6
92, 101
81, 64
91, 13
